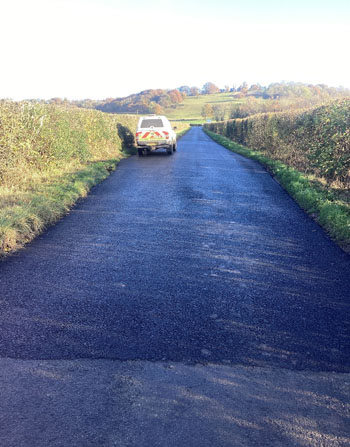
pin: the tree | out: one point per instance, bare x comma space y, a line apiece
156, 108
243, 88
185, 89
165, 101
255, 88
207, 111
210, 88
175, 96
194, 91
56, 101
219, 112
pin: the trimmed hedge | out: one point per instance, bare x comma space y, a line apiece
50, 156
315, 141
317, 201
35, 137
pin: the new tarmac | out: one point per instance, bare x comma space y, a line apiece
186, 301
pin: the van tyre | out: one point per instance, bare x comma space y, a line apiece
140, 152
169, 150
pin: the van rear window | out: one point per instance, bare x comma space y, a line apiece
152, 122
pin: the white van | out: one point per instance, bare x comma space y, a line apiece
154, 132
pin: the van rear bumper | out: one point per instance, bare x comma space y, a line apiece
154, 144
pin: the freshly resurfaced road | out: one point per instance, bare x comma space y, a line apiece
186, 301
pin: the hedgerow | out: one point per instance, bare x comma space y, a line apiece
34, 137
315, 141
299, 148
50, 156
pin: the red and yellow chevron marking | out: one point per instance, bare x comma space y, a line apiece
153, 135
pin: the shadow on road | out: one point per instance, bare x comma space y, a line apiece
195, 258
250, 304
136, 403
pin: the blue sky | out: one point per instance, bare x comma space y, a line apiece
108, 48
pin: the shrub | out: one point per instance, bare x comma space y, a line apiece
50, 155
35, 137
314, 141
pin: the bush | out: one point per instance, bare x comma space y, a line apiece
323, 205
314, 141
34, 137
50, 155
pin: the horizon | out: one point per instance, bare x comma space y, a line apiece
235, 86
90, 49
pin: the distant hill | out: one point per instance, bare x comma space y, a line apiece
147, 101
245, 101
231, 102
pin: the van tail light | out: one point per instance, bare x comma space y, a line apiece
138, 134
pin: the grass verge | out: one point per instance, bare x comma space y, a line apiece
181, 132
321, 204
50, 156
27, 212
42, 197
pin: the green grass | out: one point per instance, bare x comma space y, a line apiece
29, 211
190, 109
50, 156
36, 195
319, 202
180, 133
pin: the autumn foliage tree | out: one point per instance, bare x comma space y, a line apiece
194, 91
219, 112
207, 111
157, 109
210, 88
175, 96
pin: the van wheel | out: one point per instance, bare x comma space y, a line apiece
169, 150
140, 152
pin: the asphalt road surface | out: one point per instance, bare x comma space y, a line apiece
187, 300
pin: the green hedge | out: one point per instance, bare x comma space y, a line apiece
34, 137
50, 156
317, 201
315, 141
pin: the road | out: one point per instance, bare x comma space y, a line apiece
187, 300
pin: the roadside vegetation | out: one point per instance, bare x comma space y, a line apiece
309, 153
197, 105
50, 156
243, 101
52, 152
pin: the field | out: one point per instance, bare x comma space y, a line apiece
240, 104
190, 109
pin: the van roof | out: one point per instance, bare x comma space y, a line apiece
153, 116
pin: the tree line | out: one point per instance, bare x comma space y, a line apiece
272, 98
276, 97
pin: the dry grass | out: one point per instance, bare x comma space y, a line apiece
49, 157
